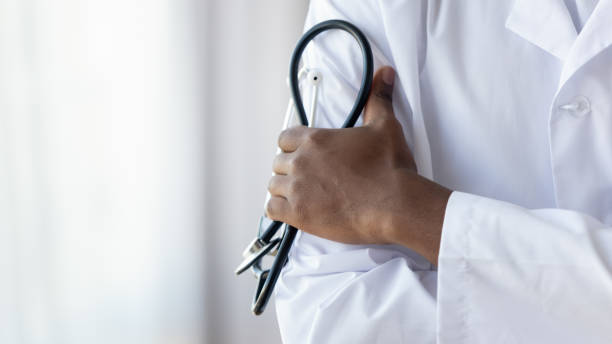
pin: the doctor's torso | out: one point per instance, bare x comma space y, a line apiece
510, 100
516, 103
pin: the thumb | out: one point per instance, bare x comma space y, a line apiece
379, 105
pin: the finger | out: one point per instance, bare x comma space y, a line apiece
290, 139
277, 208
379, 105
282, 163
279, 186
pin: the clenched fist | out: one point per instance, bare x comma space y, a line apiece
358, 185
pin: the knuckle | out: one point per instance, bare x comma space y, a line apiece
317, 136
392, 125
297, 163
286, 135
290, 136
272, 183
282, 137
270, 209
389, 125
276, 162
384, 95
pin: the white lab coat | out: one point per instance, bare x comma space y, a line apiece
506, 103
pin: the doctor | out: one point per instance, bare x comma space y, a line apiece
474, 204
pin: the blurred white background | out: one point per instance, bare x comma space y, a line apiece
136, 140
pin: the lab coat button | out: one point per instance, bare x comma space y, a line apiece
580, 106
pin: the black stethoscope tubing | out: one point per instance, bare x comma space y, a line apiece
268, 278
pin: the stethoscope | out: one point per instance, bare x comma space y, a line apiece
265, 243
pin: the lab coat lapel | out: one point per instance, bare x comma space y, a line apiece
545, 23
593, 39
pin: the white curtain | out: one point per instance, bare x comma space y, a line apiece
135, 145
253, 41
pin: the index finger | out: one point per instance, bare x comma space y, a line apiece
290, 139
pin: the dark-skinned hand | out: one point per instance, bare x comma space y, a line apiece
358, 185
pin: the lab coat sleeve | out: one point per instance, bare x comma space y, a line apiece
336, 293
512, 275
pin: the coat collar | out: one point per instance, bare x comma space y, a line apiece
545, 23
548, 25
595, 37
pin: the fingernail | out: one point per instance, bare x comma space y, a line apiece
388, 76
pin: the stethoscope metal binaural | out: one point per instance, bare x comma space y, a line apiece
265, 243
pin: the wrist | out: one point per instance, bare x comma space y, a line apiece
416, 221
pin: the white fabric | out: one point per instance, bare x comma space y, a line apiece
517, 111
580, 10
